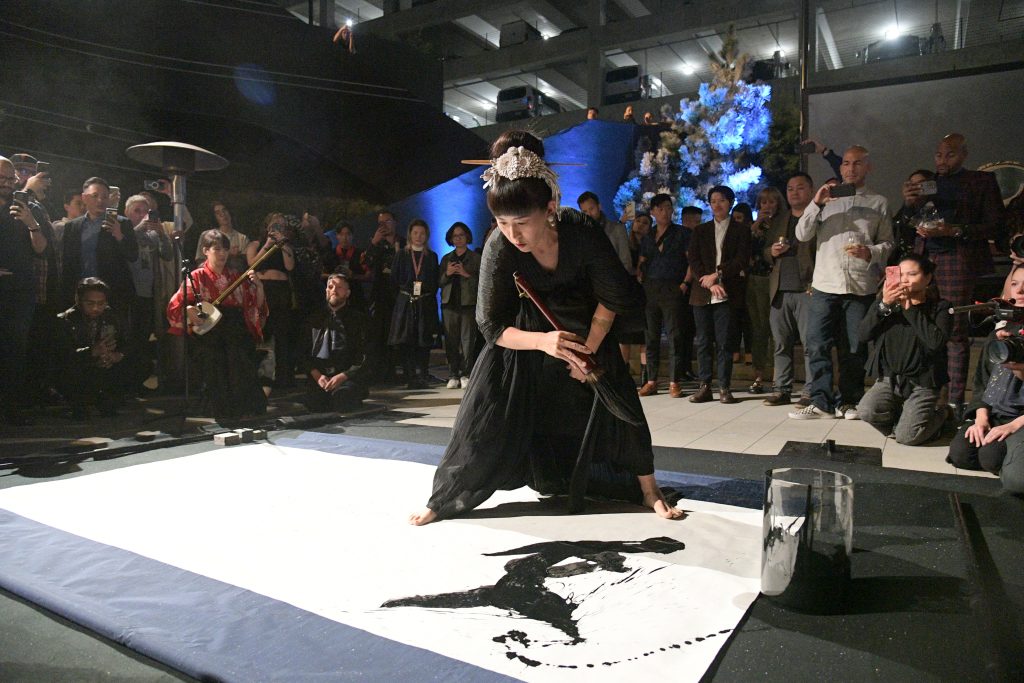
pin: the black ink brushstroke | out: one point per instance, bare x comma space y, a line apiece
522, 591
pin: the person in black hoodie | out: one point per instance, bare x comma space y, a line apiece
909, 326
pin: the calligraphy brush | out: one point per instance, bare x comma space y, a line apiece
605, 393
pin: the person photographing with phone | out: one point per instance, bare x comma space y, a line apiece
909, 326
968, 213
854, 238
21, 243
99, 244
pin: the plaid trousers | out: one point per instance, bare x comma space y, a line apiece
956, 285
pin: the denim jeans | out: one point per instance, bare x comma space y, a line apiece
714, 326
826, 314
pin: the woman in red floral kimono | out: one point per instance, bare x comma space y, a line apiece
226, 354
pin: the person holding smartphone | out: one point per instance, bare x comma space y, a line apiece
99, 244
854, 239
21, 244
908, 326
970, 212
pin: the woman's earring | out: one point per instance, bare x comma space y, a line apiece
551, 219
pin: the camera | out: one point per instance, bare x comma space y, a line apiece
929, 187
842, 190
154, 215
1009, 350
805, 148
112, 213
152, 185
21, 196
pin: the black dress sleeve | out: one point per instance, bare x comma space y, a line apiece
497, 299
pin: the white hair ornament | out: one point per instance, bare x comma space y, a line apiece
519, 162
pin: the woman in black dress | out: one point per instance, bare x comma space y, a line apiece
524, 415
414, 323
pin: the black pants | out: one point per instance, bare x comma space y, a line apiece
459, 339
346, 397
666, 306
715, 328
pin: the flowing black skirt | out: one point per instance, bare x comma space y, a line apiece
522, 421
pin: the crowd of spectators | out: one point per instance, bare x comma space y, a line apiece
865, 290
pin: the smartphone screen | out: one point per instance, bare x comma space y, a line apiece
892, 275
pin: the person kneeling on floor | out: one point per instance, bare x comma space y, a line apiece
93, 341
339, 367
909, 326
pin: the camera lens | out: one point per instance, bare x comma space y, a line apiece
1010, 350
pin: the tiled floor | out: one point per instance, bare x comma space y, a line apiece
744, 427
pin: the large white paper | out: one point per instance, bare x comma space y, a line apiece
328, 533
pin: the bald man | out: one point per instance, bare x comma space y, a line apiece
972, 209
854, 239
22, 241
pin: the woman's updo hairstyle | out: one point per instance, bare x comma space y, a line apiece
521, 196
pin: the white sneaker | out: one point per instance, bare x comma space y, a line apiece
847, 411
811, 412
464, 382
453, 383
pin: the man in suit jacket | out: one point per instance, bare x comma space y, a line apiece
718, 254
972, 209
98, 246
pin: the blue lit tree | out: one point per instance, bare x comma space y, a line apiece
716, 139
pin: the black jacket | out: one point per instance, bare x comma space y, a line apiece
112, 259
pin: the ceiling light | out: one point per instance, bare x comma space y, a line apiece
455, 117
687, 69
891, 32
348, 22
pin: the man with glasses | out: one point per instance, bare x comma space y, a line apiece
22, 241
383, 290
98, 245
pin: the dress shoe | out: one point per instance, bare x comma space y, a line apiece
675, 390
780, 398
703, 394
648, 389
725, 396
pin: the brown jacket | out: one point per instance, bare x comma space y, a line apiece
805, 253
735, 257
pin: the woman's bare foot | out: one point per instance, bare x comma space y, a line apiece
425, 516
654, 499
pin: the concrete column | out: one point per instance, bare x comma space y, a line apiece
327, 14
596, 18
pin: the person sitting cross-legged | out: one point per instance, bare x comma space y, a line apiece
339, 366
909, 327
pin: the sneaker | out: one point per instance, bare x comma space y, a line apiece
780, 398
811, 412
804, 401
464, 383
453, 383
847, 411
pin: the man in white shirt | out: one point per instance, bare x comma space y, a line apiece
854, 235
